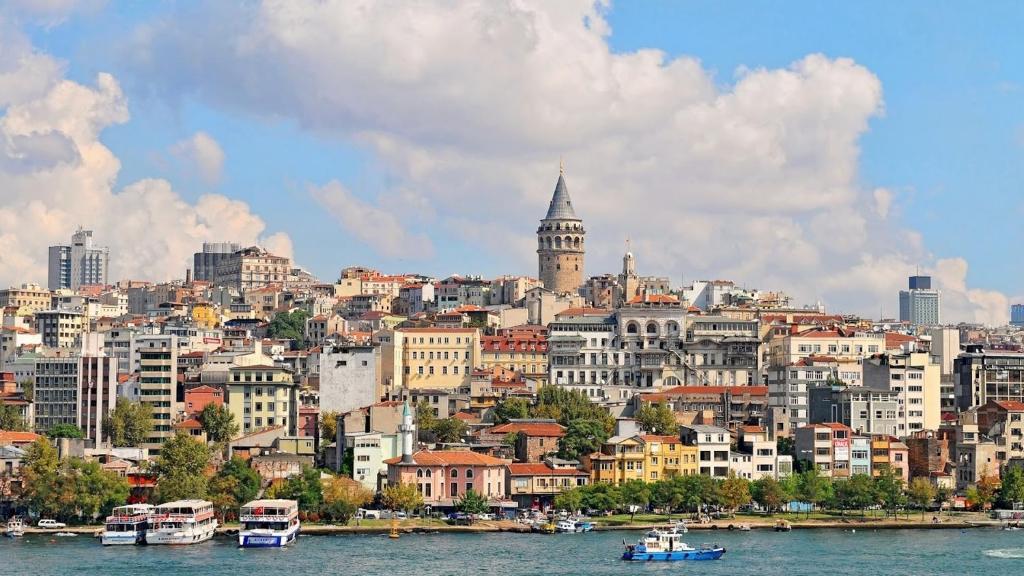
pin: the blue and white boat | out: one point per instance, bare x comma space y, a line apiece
268, 523
667, 545
127, 525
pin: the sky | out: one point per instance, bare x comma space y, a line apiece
828, 150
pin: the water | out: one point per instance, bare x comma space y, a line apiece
978, 552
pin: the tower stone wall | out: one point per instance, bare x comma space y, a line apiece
561, 243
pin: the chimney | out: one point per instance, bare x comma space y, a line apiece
188, 276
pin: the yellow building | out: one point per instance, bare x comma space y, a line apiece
30, 296
522, 352
204, 315
435, 357
649, 458
262, 397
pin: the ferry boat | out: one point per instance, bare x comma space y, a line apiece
667, 545
268, 523
15, 527
181, 522
127, 525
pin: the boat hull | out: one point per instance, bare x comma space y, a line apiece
276, 540
180, 537
674, 556
123, 538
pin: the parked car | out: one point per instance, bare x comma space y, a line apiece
368, 514
484, 516
49, 523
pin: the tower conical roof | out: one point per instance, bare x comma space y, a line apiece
561, 205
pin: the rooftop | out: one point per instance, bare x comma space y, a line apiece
449, 458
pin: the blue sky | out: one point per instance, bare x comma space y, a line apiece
949, 144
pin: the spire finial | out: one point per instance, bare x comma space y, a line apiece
561, 166
628, 248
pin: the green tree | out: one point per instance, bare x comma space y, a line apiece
921, 492
784, 446
401, 496
28, 389
510, 439
449, 430
181, 469
668, 494
289, 326
233, 485
889, 490
425, 419
65, 431
571, 500
129, 424
218, 422
699, 490
812, 487
10, 418
72, 488
342, 498
582, 437
636, 495
657, 419
943, 495
329, 425
1011, 490
472, 503
305, 487
512, 408
602, 496
768, 493
855, 493
39, 476
983, 492
97, 490
734, 492
566, 406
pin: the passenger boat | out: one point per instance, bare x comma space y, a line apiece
127, 525
181, 522
15, 528
667, 545
268, 523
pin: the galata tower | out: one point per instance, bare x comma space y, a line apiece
560, 244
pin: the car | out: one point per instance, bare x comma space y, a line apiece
51, 524
368, 514
485, 517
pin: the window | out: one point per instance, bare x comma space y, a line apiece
469, 486
455, 488
455, 473
469, 472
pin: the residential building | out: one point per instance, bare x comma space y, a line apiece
158, 386
790, 384
917, 381
757, 450
860, 455
889, 453
61, 328
14, 339
536, 438
205, 263
722, 351
560, 243
29, 296
580, 343
199, 397
370, 450
928, 453
350, 376
865, 410
79, 389
721, 406
252, 268
982, 375
525, 352
921, 305
435, 357
263, 397
536, 484
80, 263
713, 446
648, 458
826, 446
444, 477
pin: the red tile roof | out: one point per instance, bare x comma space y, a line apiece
1011, 405
466, 417
895, 340
655, 298
540, 469
660, 438
12, 437
548, 429
449, 458
446, 330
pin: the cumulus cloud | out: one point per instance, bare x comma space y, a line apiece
55, 174
470, 104
371, 224
202, 154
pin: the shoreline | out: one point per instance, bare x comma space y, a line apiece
515, 528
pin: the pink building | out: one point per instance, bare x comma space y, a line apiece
442, 477
899, 459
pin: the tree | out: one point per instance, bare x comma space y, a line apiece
784, 446
233, 485
472, 503
510, 439
28, 389
699, 490
566, 406
342, 498
657, 419
889, 490
1011, 490
289, 326
181, 469
304, 487
329, 425
636, 495
734, 492
401, 496
812, 487
65, 431
10, 418
601, 496
984, 491
39, 475
570, 500
72, 488
855, 493
582, 437
942, 496
449, 430
129, 424
425, 419
218, 422
921, 493
768, 493
512, 408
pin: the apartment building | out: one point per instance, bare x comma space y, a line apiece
435, 357
263, 396
713, 446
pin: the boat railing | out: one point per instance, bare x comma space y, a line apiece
124, 519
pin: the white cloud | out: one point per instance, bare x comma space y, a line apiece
202, 154
55, 174
372, 225
470, 104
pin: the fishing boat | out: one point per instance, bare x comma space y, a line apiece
566, 526
544, 527
181, 522
15, 528
268, 523
127, 525
668, 545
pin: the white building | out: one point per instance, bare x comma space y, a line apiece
369, 451
71, 266
349, 376
920, 305
713, 448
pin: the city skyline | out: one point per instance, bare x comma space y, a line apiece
779, 170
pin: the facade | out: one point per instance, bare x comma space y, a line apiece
200, 397
917, 380
369, 452
80, 263
560, 243
349, 377
648, 458
1017, 314
158, 384
921, 305
536, 438
205, 263
983, 375
61, 328
80, 390
827, 446
722, 351
536, 484
263, 397
713, 446
865, 410
252, 268
443, 477
721, 406
525, 352
29, 296
435, 357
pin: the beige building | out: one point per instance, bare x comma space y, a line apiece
441, 358
523, 351
560, 243
252, 268
29, 296
158, 381
263, 396
917, 380
61, 328
840, 344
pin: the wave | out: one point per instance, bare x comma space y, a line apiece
1005, 553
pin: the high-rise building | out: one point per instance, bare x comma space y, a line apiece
921, 304
79, 264
158, 363
1017, 314
205, 263
560, 243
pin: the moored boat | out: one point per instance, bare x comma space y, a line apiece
15, 528
565, 526
127, 525
181, 522
783, 526
667, 545
268, 523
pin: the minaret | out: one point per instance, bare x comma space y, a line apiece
628, 280
408, 431
560, 242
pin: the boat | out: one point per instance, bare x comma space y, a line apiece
667, 545
127, 525
66, 534
783, 526
544, 527
584, 525
15, 528
268, 523
181, 522
678, 526
565, 526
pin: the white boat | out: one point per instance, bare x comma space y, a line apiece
268, 523
15, 528
181, 522
566, 526
127, 525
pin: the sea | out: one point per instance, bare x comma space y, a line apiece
978, 552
